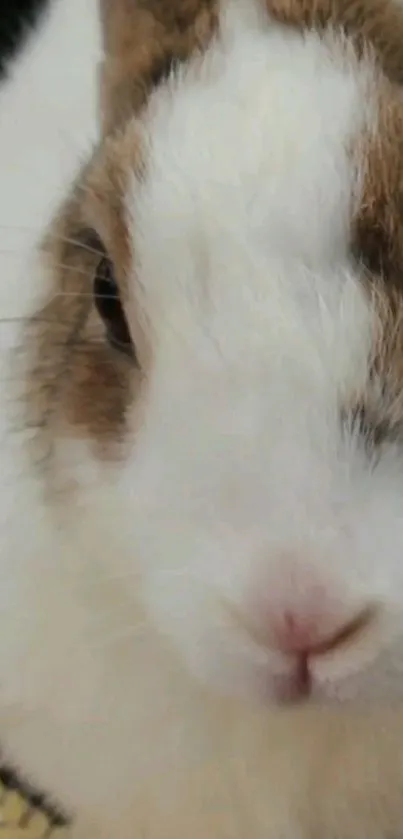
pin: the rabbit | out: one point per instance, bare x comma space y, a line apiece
201, 414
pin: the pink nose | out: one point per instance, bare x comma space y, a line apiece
306, 635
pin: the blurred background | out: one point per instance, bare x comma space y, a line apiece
15, 18
24, 814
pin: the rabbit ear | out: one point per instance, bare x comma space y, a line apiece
378, 23
124, 28
141, 42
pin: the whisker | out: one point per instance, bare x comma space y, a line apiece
34, 319
62, 265
80, 294
22, 318
55, 237
85, 272
77, 243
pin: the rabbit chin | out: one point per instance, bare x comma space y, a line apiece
253, 676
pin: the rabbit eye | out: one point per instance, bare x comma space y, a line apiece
110, 309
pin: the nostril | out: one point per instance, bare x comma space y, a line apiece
309, 635
347, 633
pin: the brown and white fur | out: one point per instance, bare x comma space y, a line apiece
212, 522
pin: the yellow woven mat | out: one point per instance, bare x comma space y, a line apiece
18, 820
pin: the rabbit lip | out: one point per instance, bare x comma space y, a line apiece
298, 686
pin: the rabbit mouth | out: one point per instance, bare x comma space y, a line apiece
295, 688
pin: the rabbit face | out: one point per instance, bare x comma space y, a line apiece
234, 400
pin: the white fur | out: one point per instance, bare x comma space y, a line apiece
239, 487
263, 333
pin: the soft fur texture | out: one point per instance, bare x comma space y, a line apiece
211, 524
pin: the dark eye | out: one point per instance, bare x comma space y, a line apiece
110, 309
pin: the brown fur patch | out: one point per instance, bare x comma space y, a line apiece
142, 42
75, 375
77, 383
377, 229
379, 409
377, 244
368, 22
378, 226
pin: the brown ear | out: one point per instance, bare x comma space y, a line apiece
125, 39
376, 22
141, 42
